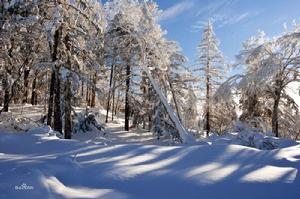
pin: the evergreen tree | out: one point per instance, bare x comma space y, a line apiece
211, 66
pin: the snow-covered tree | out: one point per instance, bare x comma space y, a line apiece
144, 50
211, 65
60, 35
271, 66
278, 67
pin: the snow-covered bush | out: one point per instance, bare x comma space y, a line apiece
16, 123
243, 134
254, 137
86, 122
163, 128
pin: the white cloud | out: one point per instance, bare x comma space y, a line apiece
176, 10
215, 7
221, 20
221, 13
236, 19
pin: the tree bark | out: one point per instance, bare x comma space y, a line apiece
275, 124
87, 94
82, 89
68, 109
113, 101
117, 103
57, 125
207, 124
26, 82
149, 108
127, 106
53, 77
6, 94
109, 93
33, 94
93, 98
51, 98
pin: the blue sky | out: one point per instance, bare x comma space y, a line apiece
234, 21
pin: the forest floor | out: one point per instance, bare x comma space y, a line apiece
120, 164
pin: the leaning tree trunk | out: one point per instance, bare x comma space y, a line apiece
174, 98
68, 109
127, 106
185, 137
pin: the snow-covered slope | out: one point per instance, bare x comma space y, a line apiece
36, 165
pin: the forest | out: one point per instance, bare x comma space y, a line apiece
105, 75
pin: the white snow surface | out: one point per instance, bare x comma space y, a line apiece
36, 164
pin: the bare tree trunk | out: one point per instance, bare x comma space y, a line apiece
51, 98
6, 94
117, 103
82, 85
82, 89
68, 95
150, 111
275, 114
87, 94
93, 100
33, 94
68, 109
53, 77
57, 126
109, 92
57, 123
45, 94
26, 82
207, 125
113, 100
127, 106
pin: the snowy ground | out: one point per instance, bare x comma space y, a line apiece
35, 164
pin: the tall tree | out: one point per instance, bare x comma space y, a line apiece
211, 65
278, 65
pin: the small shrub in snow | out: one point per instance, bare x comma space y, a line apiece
244, 135
254, 137
87, 122
16, 123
